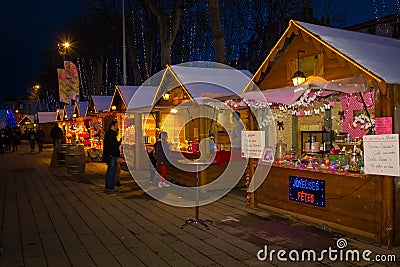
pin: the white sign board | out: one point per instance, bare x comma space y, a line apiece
381, 154
253, 143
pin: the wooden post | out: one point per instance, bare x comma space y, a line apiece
386, 110
140, 156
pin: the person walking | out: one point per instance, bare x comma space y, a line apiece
7, 139
162, 152
39, 136
14, 141
110, 156
31, 139
56, 134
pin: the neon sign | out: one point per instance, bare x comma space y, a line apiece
307, 191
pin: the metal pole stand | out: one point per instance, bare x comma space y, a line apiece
196, 220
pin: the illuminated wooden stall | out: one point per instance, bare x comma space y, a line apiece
362, 205
180, 107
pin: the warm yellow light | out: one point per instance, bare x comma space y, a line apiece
16, 111
114, 108
298, 78
166, 96
37, 86
66, 44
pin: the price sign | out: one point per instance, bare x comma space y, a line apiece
253, 143
381, 154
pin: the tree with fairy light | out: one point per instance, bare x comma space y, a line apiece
10, 119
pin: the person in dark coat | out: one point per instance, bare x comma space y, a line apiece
162, 151
110, 155
14, 139
56, 134
31, 139
39, 136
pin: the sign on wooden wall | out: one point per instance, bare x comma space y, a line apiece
381, 154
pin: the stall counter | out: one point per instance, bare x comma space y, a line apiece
350, 203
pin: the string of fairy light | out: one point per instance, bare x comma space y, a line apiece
106, 78
143, 46
195, 44
135, 42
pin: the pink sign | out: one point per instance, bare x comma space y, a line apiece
383, 125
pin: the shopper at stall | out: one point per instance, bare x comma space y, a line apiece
56, 134
162, 151
110, 155
236, 135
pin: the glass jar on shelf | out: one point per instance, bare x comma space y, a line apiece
355, 160
342, 161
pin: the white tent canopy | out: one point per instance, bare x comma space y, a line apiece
288, 95
44, 117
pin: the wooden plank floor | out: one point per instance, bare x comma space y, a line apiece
49, 217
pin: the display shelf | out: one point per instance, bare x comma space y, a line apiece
325, 137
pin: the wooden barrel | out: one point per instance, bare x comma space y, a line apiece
61, 152
75, 159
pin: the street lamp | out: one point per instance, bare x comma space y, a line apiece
63, 49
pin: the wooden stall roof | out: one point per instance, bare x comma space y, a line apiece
26, 118
122, 96
345, 53
99, 103
200, 81
82, 108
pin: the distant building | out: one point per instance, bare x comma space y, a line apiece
388, 26
20, 106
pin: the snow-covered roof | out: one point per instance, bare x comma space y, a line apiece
44, 117
379, 55
83, 108
205, 81
127, 92
101, 102
69, 110
142, 100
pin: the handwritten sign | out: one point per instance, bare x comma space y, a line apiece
381, 154
383, 125
253, 143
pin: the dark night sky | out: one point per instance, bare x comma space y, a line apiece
28, 27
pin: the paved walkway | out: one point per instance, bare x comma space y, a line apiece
51, 218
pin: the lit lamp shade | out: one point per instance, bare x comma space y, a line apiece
165, 96
298, 78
